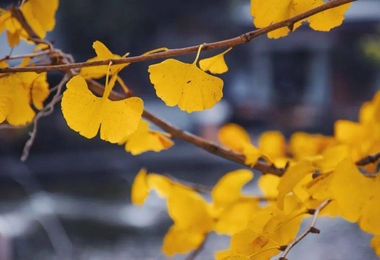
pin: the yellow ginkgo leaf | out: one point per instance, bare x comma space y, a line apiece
215, 64
327, 20
268, 12
179, 240
252, 154
40, 15
292, 176
189, 210
14, 29
370, 111
233, 136
102, 53
369, 219
144, 139
228, 188
272, 144
17, 92
185, 85
268, 185
236, 216
163, 185
192, 221
85, 113
272, 11
140, 188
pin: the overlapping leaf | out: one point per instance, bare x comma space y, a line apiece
17, 94
85, 113
102, 53
268, 12
215, 64
144, 139
39, 14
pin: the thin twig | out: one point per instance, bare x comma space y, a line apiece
311, 229
244, 38
47, 110
23, 56
368, 159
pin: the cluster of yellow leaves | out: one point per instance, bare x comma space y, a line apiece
39, 14
322, 167
269, 12
186, 85
256, 230
19, 94
118, 121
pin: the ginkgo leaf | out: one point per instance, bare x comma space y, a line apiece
185, 85
179, 240
272, 11
163, 185
233, 136
236, 216
272, 144
268, 185
85, 113
18, 91
140, 188
144, 139
228, 188
192, 221
370, 111
215, 64
102, 53
369, 219
189, 210
268, 12
293, 175
14, 29
252, 154
40, 15
327, 20
237, 139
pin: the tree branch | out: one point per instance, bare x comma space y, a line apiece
311, 229
206, 145
244, 38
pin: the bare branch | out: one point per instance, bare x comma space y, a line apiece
311, 229
47, 110
244, 38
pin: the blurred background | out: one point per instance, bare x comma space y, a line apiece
71, 198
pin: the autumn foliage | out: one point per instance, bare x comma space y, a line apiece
309, 175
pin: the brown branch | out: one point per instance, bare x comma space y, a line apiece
177, 133
244, 38
311, 229
368, 159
